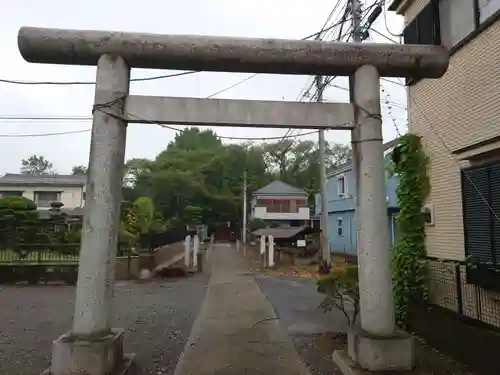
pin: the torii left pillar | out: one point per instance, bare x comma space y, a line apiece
93, 347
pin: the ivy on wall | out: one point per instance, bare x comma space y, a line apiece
409, 163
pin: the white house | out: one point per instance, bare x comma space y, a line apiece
44, 189
280, 203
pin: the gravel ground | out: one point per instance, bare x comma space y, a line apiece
158, 317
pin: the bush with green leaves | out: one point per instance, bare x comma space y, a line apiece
409, 263
341, 286
256, 224
18, 216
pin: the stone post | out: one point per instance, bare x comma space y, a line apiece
263, 250
377, 346
93, 347
187, 251
271, 251
196, 249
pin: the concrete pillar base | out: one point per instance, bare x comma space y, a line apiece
93, 356
376, 353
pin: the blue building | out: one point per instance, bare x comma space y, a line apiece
341, 191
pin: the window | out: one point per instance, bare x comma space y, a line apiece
302, 203
457, 20
341, 186
278, 205
481, 205
449, 22
11, 193
424, 28
45, 198
340, 227
487, 8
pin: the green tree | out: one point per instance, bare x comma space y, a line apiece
79, 170
148, 220
18, 219
197, 170
36, 165
256, 224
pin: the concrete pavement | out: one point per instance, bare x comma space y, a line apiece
237, 331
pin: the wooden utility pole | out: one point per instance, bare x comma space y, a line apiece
325, 245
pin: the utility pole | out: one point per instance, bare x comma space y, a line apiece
325, 247
244, 234
357, 38
359, 33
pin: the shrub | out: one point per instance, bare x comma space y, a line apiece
342, 289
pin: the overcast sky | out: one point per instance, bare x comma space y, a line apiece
255, 18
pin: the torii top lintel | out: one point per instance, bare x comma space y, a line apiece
226, 54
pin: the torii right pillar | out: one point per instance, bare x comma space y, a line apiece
377, 345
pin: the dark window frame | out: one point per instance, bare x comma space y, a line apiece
46, 203
414, 35
483, 273
11, 193
340, 227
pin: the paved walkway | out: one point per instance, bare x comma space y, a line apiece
237, 331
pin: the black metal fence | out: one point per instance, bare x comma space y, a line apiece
448, 288
154, 240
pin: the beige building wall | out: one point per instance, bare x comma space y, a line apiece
461, 109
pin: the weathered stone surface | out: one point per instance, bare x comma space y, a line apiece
92, 356
376, 353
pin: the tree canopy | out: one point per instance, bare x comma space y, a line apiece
199, 178
36, 165
79, 170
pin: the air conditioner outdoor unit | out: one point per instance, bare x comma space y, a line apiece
428, 214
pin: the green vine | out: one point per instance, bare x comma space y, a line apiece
409, 163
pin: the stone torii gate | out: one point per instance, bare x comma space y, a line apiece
93, 347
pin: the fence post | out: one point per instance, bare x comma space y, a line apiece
271, 251
196, 247
458, 280
187, 251
263, 250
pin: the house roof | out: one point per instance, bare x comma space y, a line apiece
50, 179
279, 188
348, 163
280, 232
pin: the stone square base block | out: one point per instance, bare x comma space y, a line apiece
376, 353
94, 356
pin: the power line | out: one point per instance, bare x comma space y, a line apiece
399, 35
316, 36
44, 134
386, 96
220, 137
73, 83
145, 120
81, 118
232, 86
